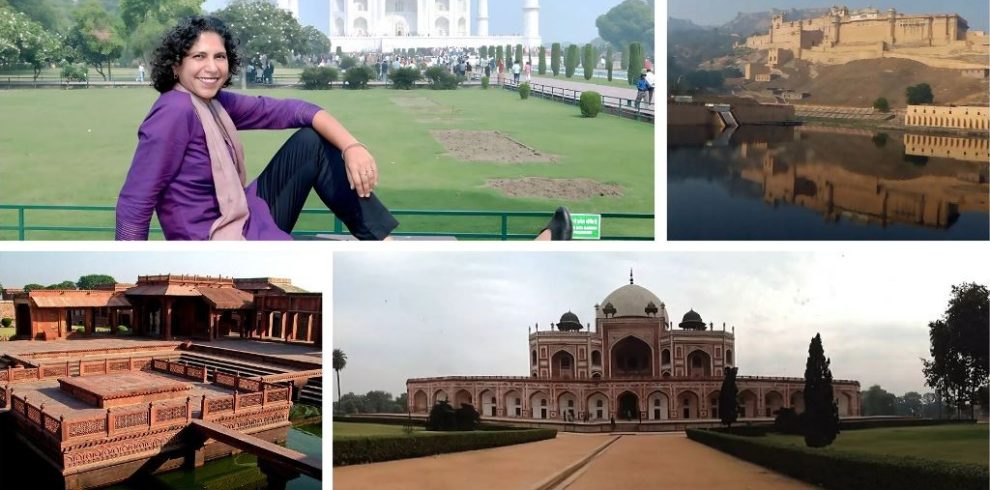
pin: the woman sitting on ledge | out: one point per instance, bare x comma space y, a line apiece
189, 163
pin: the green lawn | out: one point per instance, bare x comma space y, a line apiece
8, 332
74, 147
354, 429
966, 443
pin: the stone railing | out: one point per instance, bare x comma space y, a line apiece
111, 366
179, 369
135, 418
14, 375
237, 383
268, 395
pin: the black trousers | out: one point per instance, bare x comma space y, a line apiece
308, 162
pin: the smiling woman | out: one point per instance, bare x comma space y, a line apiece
189, 162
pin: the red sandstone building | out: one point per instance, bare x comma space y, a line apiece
175, 306
634, 366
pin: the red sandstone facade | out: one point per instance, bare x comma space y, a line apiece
634, 366
176, 306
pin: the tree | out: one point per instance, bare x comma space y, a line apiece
542, 64
881, 105
920, 94
66, 285
53, 16
608, 62
555, 58
635, 62
624, 59
263, 29
570, 63
728, 409
339, 361
30, 42
90, 281
32, 287
135, 12
959, 346
96, 37
877, 401
499, 55
821, 415
588, 61
910, 404
313, 43
402, 402
629, 22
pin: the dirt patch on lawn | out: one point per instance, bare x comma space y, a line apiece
555, 189
416, 103
487, 146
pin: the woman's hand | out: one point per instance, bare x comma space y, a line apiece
362, 172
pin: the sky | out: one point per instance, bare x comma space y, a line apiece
560, 20
401, 315
718, 12
308, 270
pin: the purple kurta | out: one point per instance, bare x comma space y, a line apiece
171, 174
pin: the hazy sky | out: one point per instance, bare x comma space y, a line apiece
401, 315
717, 12
560, 20
308, 270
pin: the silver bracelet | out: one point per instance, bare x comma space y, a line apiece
352, 145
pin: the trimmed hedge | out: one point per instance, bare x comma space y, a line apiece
878, 424
319, 77
524, 90
405, 78
847, 470
590, 103
372, 450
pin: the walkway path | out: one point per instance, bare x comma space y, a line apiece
673, 461
633, 461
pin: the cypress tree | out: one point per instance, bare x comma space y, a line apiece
519, 53
570, 63
821, 413
543, 61
589, 61
635, 62
555, 58
728, 409
498, 55
608, 61
483, 52
624, 60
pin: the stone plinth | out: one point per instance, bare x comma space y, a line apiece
122, 389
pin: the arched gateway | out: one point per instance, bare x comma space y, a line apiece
633, 363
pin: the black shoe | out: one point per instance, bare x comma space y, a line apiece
560, 225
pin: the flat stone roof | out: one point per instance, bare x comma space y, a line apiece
114, 390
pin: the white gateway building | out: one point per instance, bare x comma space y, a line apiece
386, 25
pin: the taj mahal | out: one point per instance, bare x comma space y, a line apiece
387, 25
636, 367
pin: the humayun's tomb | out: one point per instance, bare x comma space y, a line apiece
100, 386
636, 366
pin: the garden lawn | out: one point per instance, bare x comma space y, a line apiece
74, 147
354, 429
964, 443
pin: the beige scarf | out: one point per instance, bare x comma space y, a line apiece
228, 172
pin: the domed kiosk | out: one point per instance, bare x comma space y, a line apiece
631, 365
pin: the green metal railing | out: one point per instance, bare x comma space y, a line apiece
502, 219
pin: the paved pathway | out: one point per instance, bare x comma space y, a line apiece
606, 90
673, 461
511, 467
633, 461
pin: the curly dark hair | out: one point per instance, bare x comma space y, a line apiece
177, 42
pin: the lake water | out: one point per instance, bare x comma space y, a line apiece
817, 183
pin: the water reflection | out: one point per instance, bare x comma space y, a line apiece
774, 182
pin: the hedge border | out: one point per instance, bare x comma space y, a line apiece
373, 450
841, 470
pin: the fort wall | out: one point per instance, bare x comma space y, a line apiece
955, 117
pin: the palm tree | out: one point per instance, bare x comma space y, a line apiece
339, 361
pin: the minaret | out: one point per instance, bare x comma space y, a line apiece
483, 18
531, 22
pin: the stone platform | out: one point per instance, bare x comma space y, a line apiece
116, 390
